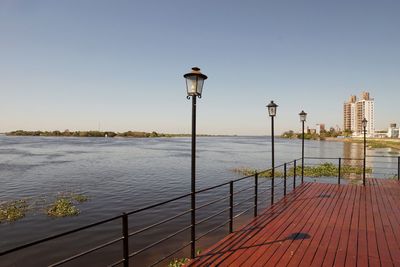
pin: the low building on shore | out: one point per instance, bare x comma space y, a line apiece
393, 131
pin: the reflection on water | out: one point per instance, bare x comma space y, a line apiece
124, 174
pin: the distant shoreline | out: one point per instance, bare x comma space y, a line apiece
371, 142
103, 134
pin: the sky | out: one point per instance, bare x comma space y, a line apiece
119, 65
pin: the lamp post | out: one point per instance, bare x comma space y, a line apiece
194, 85
364, 125
303, 117
272, 112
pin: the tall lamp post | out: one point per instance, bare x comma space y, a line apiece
303, 117
272, 112
194, 85
364, 125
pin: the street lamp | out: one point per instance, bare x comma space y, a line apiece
364, 125
194, 85
272, 112
303, 117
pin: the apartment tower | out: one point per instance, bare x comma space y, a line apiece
354, 111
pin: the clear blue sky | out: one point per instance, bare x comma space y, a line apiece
75, 64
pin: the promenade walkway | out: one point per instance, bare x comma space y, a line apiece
319, 225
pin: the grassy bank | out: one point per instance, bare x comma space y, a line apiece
371, 143
326, 169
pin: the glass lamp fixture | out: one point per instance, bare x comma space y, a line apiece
272, 109
364, 123
303, 115
194, 82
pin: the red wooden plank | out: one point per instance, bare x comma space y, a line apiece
312, 227
372, 245
341, 252
387, 223
362, 246
275, 233
333, 243
225, 248
334, 220
306, 258
272, 256
384, 255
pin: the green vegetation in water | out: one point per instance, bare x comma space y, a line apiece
13, 210
326, 169
62, 207
182, 261
178, 262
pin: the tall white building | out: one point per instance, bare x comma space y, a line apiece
356, 110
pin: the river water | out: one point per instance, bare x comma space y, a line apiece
121, 174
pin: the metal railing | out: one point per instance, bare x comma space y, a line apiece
240, 200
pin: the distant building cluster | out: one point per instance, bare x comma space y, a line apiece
354, 111
393, 131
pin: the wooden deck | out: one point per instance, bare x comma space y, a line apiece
319, 225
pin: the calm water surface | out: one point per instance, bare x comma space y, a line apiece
121, 175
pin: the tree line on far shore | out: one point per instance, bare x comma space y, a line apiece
315, 136
68, 133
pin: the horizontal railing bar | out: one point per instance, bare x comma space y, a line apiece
382, 156
383, 162
337, 158
210, 188
265, 180
259, 173
265, 190
116, 263
158, 242
212, 230
158, 204
384, 173
212, 216
241, 213
243, 189
159, 223
59, 235
169, 255
383, 168
244, 201
212, 202
86, 252
242, 178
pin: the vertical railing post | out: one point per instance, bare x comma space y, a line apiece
294, 174
230, 206
398, 168
125, 241
255, 194
284, 179
339, 169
